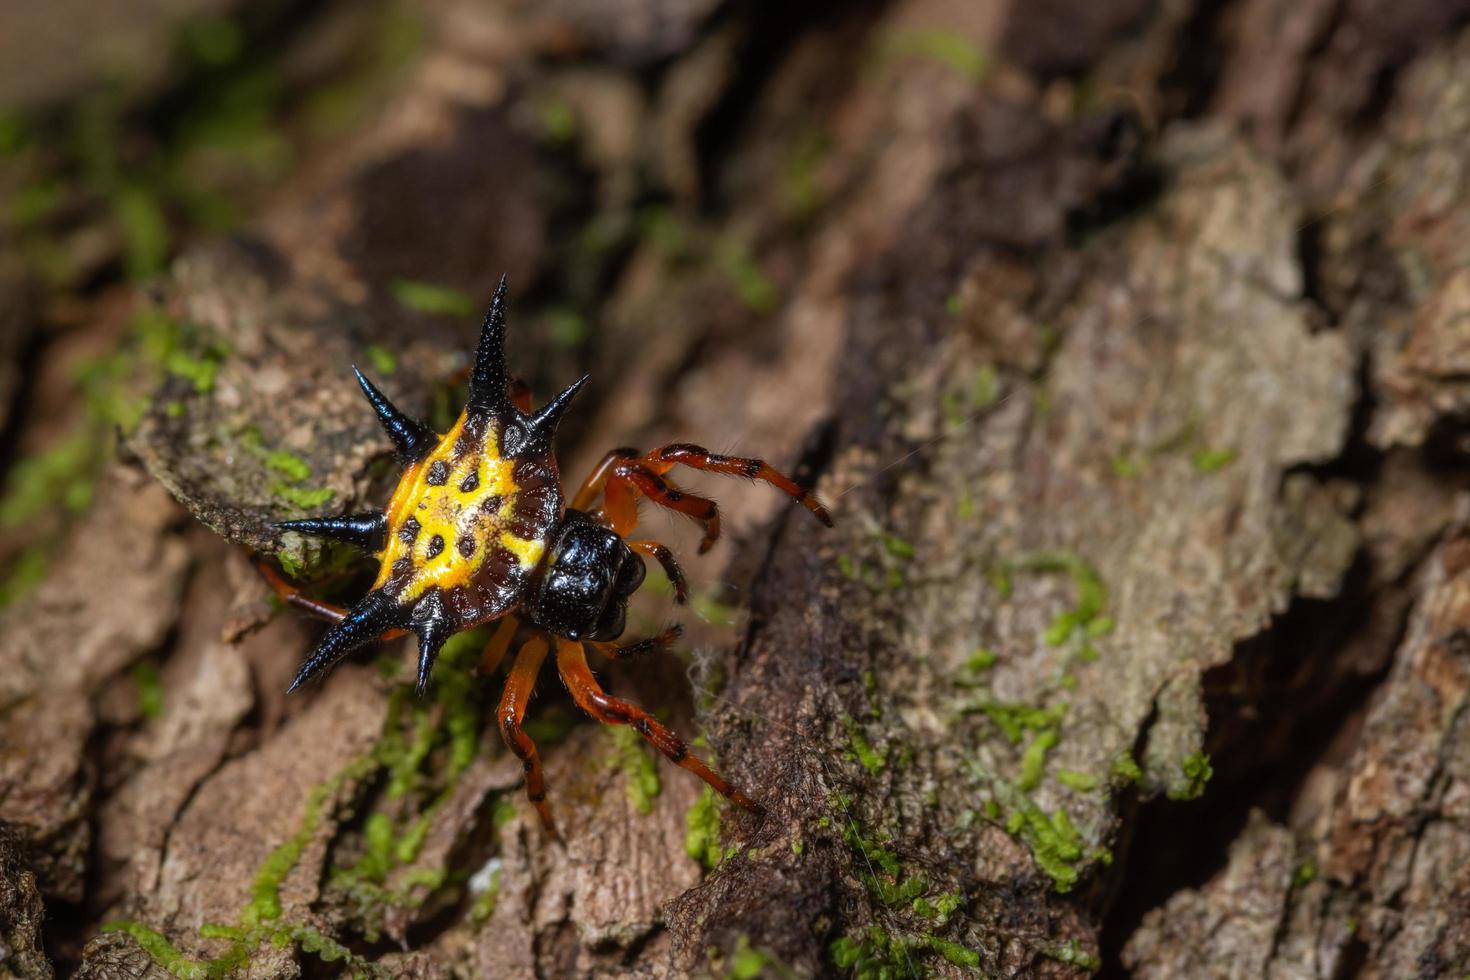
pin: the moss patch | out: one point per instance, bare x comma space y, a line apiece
427, 297
949, 49
1196, 771
702, 830
639, 768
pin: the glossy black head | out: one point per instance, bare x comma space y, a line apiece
586, 579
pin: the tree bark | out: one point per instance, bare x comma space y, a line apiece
1125, 345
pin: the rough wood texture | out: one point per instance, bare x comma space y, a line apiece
1127, 348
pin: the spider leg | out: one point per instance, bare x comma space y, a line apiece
495, 650
293, 596
619, 509
597, 479
512, 711
699, 458
628, 651
571, 663
671, 568
665, 494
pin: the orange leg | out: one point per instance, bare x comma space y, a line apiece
629, 651
571, 663
671, 568
699, 458
494, 651
512, 711
293, 596
597, 479
665, 494
620, 507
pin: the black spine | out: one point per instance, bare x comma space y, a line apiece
488, 381
373, 616
411, 438
368, 530
431, 623
533, 434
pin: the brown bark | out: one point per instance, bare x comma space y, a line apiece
1125, 346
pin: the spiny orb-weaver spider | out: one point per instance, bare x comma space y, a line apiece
476, 531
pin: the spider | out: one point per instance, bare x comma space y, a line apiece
477, 530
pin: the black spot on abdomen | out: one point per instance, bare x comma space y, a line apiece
438, 473
409, 532
436, 545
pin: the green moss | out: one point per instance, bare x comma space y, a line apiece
999, 578
1033, 760
567, 328
898, 547
15, 132
1212, 460
558, 121
941, 907
1072, 953
980, 660
870, 851
381, 359
860, 749
953, 50
484, 905
1197, 772
1085, 620
145, 230
265, 893
1125, 467
288, 464
25, 573
198, 371
1015, 720
428, 297
150, 689
878, 955
1306, 872
1080, 781
702, 830
747, 962
752, 286
708, 607
985, 388
210, 40
803, 195
34, 484
1054, 842
960, 956
638, 767
550, 728
1126, 770
303, 498
290, 563
164, 953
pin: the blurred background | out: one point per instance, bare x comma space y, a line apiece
1163, 294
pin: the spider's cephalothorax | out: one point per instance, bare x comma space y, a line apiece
477, 530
